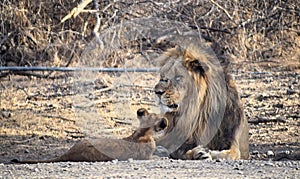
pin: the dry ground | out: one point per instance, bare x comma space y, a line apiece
41, 118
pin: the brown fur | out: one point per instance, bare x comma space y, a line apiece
202, 105
140, 145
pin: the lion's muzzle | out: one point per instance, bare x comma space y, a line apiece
166, 95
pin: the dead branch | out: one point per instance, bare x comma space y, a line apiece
97, 25
265, 120
22, 73
58, 117
123, 121
222, 8
76, 10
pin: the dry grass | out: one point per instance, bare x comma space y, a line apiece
31, 31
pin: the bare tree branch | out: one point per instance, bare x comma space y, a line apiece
222, 8
75, 11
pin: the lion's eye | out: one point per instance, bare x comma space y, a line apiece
163, 80
178, 78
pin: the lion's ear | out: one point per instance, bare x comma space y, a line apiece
196, 66
170, 54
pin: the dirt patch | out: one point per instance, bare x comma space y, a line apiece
156, 169
39, 118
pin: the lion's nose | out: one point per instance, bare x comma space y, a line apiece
158, 90
159, 93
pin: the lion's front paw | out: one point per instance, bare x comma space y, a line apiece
198, 153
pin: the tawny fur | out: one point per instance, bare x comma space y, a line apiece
139, 146
202, 104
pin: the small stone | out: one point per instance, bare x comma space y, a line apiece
130, 160
278, 105
260, 97
236, 168
255, 152
290, 92
270, 164
114, 161
270, 153
5, 114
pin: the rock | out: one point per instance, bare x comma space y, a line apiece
270, 164
259, 97
5, 114
270, 153
255, 152
115, 161
290, 92
278, 105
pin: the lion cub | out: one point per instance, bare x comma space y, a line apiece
139, 146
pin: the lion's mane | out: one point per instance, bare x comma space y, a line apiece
200, 97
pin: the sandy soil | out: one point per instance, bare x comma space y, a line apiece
42, 118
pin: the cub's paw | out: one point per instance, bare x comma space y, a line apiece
160, 151
198, 153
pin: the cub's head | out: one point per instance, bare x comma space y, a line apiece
151, 125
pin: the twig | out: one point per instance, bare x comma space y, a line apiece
58, 117
265, 120
92, 103
76, 10
124, 121
104, 90
144, 103
97, 25
5, 74
26, 140
223, 9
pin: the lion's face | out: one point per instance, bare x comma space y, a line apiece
176, 86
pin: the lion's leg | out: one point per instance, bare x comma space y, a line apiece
200, 153
231, 154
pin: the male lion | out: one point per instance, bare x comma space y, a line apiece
140, 145
202, 105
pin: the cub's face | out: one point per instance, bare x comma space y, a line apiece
151, 124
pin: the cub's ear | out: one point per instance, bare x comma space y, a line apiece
141, 113
162, 124
196, 65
